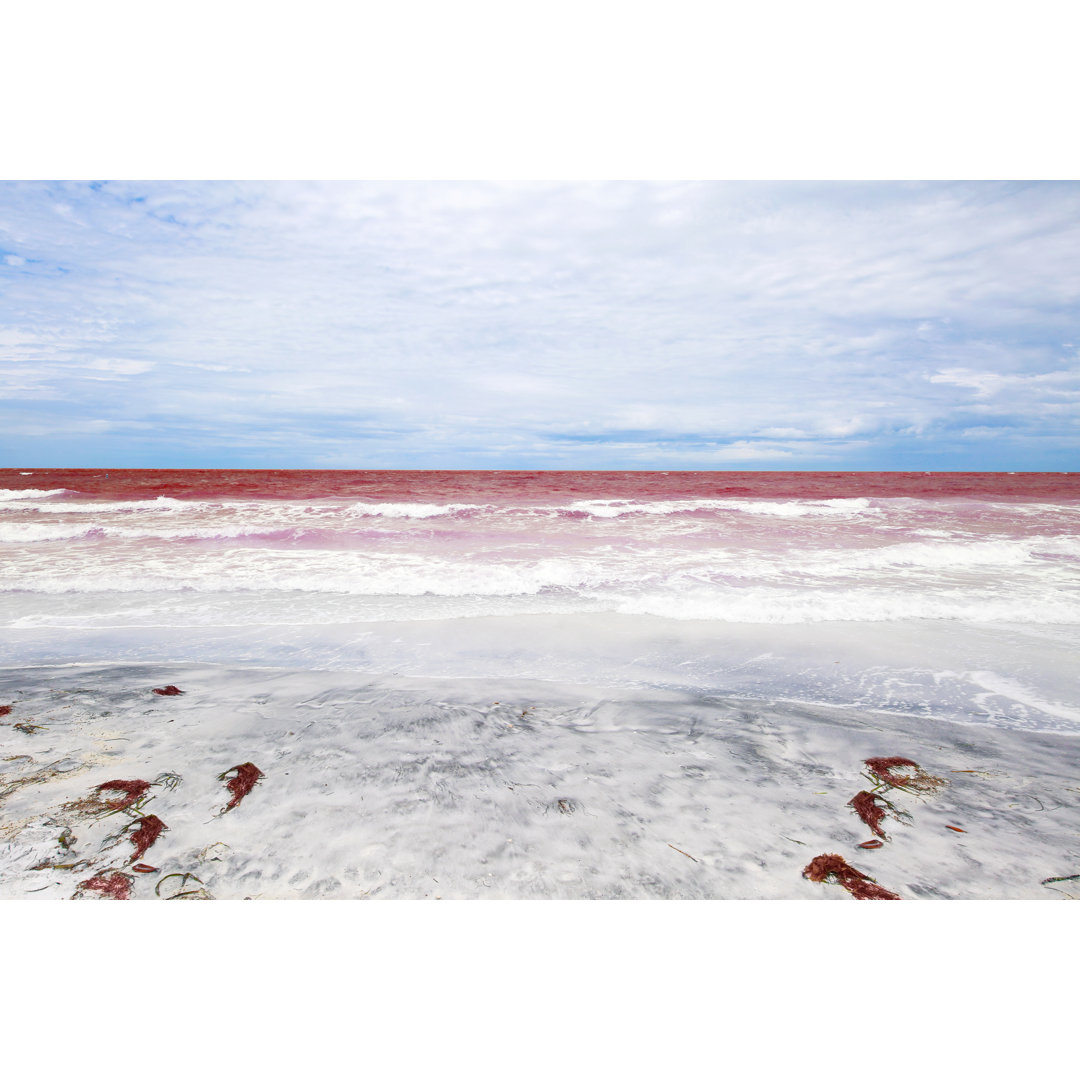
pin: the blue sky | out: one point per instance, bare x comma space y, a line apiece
707, 325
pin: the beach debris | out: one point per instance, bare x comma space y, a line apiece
183, 893
915, 779
1053, 882
1070, 877
565, 806
835, 868
1042, 809
865, 804
53, 771
4, 710
247, 775
133, 791
30, 729
681, 852
143, 868
145, 834
955, 828
113, 884
168, 691
80, 864
870, 845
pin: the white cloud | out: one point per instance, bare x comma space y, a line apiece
990, 383
119, 366
984, 383
747, 451
518, 315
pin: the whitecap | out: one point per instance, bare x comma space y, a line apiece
19, 494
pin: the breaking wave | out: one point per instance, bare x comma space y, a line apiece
19, 494
771, 508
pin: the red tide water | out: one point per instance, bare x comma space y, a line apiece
535, 486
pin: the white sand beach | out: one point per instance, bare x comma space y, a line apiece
500, 788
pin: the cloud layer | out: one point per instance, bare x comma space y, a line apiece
624, 325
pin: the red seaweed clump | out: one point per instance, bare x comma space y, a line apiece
93, 803
114, 885
834, 867
133, 790
865, 804
883, 769
148, 830
168, 691
241, 784
4, 710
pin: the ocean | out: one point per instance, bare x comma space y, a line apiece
909, 603
949, 592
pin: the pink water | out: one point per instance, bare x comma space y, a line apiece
510, 486
954, 592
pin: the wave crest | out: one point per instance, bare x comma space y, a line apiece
19, 494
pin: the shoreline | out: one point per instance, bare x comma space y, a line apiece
1006, 675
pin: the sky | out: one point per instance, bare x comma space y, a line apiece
623, 325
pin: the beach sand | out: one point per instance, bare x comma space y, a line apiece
501, 788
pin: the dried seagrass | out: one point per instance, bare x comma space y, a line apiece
184, 893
